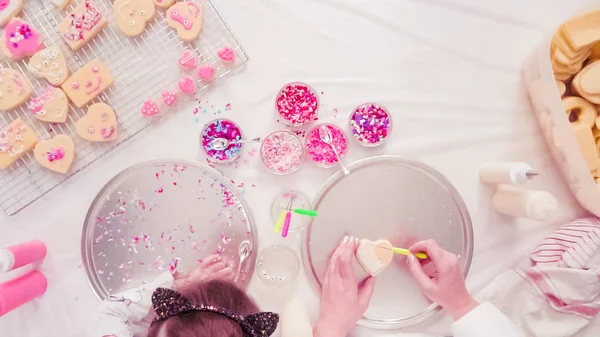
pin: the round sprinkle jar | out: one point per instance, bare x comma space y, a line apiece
282, 152
297, 104
221, 128
370, 124
321, 153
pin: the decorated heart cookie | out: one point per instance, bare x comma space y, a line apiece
50, 64
55, 154
206, 72
186, 18
88, 82
14, 89
9, 9
19, 39
61, 3
226, 54
187, 85
149, 108
15, 140
133, 16
163, 3
169, 97
99, 124
52, 105
187, 59
372, 257
82, 25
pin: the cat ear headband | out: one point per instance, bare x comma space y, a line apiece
168, 303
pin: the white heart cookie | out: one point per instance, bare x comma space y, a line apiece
55, 154
99, 124
10, 10
372, 257
14, 89
52, 106
50, 64
133, 16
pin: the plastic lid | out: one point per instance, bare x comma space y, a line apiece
7, 261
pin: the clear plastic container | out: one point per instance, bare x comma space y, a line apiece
292, 160
307, 119
555, 125
355, 133
314, 155
228, 155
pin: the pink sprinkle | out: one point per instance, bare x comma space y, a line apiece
282, 152
160, 190
174, 183
322, 154
297, 104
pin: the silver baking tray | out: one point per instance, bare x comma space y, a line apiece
388, 197
156, 212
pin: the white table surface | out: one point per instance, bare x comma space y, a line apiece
448, 70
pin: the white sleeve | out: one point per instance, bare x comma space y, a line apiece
485, 320
116, 316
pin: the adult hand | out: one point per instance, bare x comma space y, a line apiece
210, 268
441, 279
343, 299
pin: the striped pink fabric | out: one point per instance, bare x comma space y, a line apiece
571, 245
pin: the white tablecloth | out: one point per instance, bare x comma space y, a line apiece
448, 70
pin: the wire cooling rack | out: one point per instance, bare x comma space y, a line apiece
142, 66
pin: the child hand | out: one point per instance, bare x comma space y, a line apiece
211, 268
343, 300
441, 278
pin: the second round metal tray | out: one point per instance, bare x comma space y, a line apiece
388, 197
154, 213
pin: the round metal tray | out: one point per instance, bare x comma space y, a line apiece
388, 197
153, 213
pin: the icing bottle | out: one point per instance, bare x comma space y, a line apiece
507, 173
522, 203
21, 290
22, 254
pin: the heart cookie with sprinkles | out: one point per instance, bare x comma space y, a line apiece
52, 106
99, 124
55, 154
50, 64
374, 256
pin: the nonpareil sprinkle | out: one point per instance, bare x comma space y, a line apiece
282, 152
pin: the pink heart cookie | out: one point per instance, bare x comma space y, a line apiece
19, 39
187, 85
226, 54
206, 72
150, 108
169, 97
187, 59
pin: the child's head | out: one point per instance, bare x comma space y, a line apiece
215, 293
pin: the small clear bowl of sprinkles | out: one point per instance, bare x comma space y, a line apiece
297, 104
320, 152
282, 152
370, 124
221, 128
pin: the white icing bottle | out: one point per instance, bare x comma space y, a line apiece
507, 173
295, 321
522, 203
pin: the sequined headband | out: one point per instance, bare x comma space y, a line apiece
168, 303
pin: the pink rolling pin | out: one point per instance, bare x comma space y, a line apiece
22, 254
21, 290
